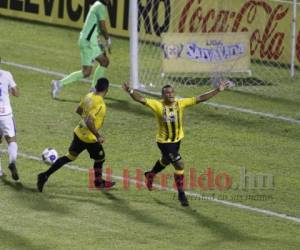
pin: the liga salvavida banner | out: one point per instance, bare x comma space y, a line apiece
267, 21
206, 53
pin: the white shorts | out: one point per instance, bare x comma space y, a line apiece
7, 126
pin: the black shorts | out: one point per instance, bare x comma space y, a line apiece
170, 152
95, 149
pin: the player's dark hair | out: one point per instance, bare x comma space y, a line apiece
165, 87
104, 2
102, 85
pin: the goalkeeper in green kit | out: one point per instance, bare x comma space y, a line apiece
90, 50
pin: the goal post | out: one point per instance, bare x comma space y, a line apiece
293, 38
273, 51
134, 78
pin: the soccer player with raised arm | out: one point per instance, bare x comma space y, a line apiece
92, 110
7, 123
90, 50
169, 113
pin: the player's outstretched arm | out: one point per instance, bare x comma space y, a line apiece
104, 32
89, 121
224, 84
15, 91
102, 25
134, 94
79, 110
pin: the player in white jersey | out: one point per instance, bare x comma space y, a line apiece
7, 124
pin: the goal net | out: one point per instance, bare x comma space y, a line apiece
197, 42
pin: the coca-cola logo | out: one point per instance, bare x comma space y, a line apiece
298, 47
266, 41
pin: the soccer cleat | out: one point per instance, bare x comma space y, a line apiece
104, 184
14, 172
41, 180
55, 88
182, 198
149, 180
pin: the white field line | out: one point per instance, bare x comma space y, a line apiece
284, 1
229, 107
44, 71
198, 196
252, 112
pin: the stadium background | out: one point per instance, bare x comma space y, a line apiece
239, 15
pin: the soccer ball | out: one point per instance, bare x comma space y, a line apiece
49, 156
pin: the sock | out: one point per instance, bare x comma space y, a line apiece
99, 72
12, 152
98, 170
73, 77
57, 165
157, 167
179, 180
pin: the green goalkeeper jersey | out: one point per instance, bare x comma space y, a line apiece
90, 28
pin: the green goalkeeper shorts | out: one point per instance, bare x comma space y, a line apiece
88, 52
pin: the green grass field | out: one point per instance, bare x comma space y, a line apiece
68, 215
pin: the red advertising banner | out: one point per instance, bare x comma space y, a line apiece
267, 21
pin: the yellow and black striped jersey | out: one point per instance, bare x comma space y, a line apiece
169, 118
92, 105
